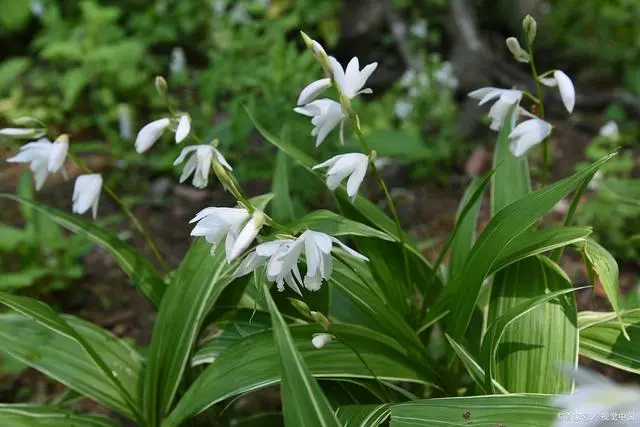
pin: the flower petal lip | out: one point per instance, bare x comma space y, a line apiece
183, 129
313, 90
150, 134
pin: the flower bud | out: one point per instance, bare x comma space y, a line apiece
300, 306
320, 340
321, 319
530, 27
518, 53
161, 85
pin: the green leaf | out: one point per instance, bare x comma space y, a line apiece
253, 363
606, 267
511, 180
22, 279
281, 208
10, 70
15, 15
137, 267
463, 234
11, 237
602, 340
497, 328
337, 225
474, 369
363, 415
30, 415
196, 286
46, 348
536, 242
533, 345
503, 228
512, 410
303, 402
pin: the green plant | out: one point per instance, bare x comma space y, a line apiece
358, 338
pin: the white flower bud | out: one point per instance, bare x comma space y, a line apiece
320, 340
161, 85
518, 53
530, 27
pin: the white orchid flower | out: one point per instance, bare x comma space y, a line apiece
282, 256
527, 134
352, 80
235, 225
325, 115
150, 134
498, 111
86, 194
610, 130
565, 86
199, 164
596, 401
44, 156
352, 165
320, 340
313, 90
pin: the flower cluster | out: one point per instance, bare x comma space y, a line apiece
506, 102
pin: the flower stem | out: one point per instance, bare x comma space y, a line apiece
134, 220
389, 199
546, 152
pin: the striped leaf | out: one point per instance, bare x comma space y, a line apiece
363, 415
29, 415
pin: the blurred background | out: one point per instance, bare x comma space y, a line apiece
87, 68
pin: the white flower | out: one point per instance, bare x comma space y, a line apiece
527, 134
325, 115
150, 134
236, 225
595, 400
282, 258
419, 29
199, 164
403, 109
45, 157
183, 129
499, 110
565, 86
312, 91
320, 340
352, 80
610, 130
353, 165
21, 133
86, 194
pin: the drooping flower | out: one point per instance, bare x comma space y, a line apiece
199, 164
565, 86
86, 193
150, 134
353, 165
236, 225
506, 98
44, 156
281, 257
596, 401
320, 340
313, 90
325, 115
610, 130
352, 80
527, 134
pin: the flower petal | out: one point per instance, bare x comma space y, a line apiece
567, 90
312, 91
150, 133
183, 129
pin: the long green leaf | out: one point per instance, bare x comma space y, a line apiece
59, 356
503, 228
199, 281
281, 207
337, 225
30, 415
474, 369
509, 410
496, 330
601, 339
532, 346
363, 415
303, 402
606, 267
138, 268
254, 363
511, 180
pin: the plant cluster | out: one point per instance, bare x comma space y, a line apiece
350, 328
